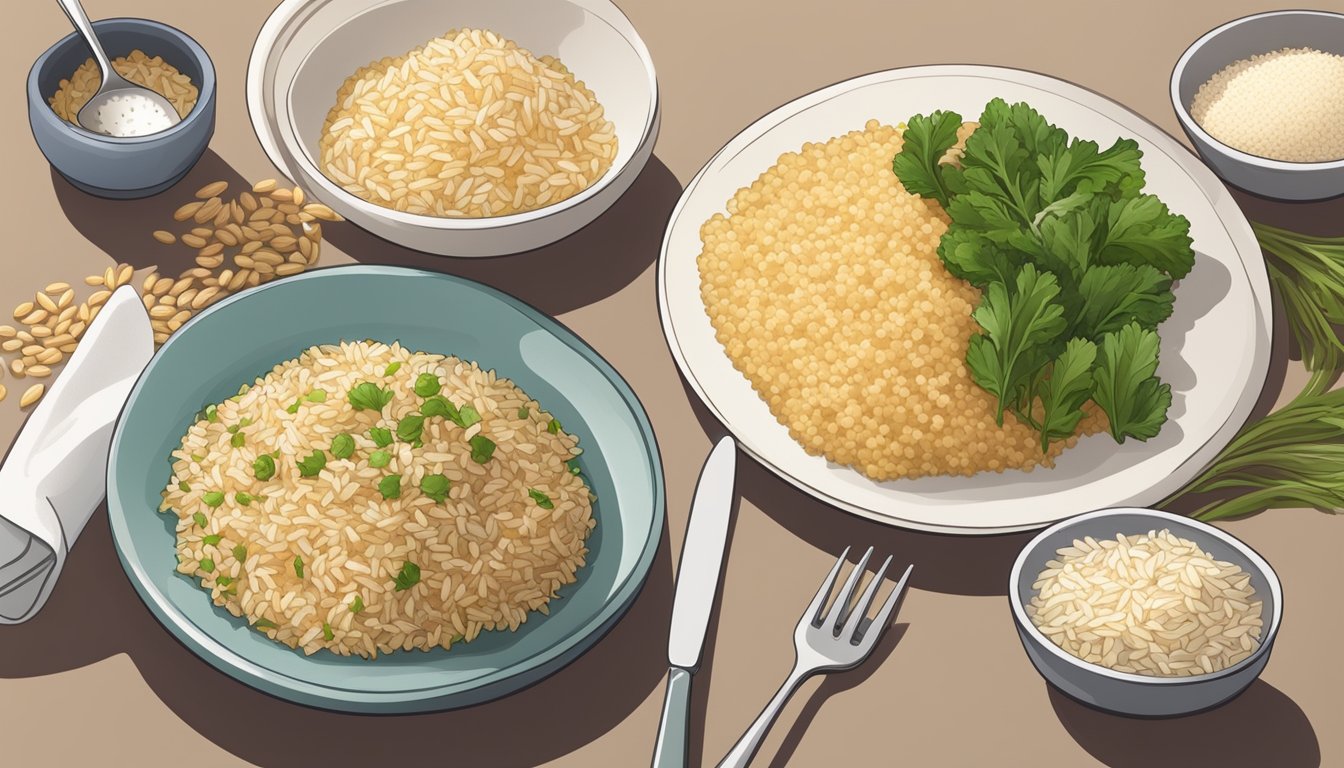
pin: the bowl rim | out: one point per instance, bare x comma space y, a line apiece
277, 132
497, 683
205, 96
1168, 519
1197, 131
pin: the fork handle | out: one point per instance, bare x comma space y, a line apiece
745, 749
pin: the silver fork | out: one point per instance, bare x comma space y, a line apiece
839, 639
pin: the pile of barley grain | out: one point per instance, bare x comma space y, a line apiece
1284, 105
1154, 604
152, 72
296, 514
249, 240
823, 284
468, 125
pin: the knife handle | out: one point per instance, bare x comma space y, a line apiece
670, 751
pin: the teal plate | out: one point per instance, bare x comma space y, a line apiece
243, 337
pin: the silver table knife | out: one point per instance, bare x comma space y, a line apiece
697, 582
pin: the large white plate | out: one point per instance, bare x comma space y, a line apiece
1215, 346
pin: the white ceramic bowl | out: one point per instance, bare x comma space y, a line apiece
1130, 694
307, 48
1241, 39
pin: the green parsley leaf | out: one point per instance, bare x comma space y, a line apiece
482, 448
379, 459
392, 368
1143, 231
524, 412
1125, 384
211, 540
1117, 295
212, 413
232, 429
427, 385
553, 427
924, 143
357, 604
390, 487
468, 415
298, 566
207, 565
238, 440
409, 576
264, 467
439, 406
976, 259
343, 446
435, 487
183, 486
317, 396
542, 499
574, 467
200, 519
1018, 327
212, 498
1062, 394
369, 397
243, 498
264, 624
410, 427
310, 466
294, 406
380, 437
240, 552
223, 581
327, 634
198, 458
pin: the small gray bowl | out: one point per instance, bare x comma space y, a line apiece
114, 167
1241, 39
1121, 692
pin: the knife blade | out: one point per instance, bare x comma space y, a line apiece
698, 575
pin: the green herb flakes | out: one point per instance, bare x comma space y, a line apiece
357, 604
243, 498
343, 446
212, 498
409, 576
212, 413
294, 406
439, 406
211, 540
542, 499
524, 412
317, 396
327, 634
265, 624
482, 448
310, 466
298, 566
380, 437
379, 459
207, 565
410, 427
223, 581
427, 385
553, 427
264, 467
369, 397
390, 487
183, 486
240, 552
392, 368
468, 415
436, 487
200, 519
238, 440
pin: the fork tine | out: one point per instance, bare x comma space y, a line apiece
861, 608
819, 602
840, 609
883, 617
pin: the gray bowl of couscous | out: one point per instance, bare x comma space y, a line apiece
1261, 98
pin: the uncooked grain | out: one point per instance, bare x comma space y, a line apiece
469, 125
150, 71
1150, 604
487, 556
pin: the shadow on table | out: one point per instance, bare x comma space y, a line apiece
1261, 727
94, 614
589, 265
122, 228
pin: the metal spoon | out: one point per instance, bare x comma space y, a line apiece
113, 84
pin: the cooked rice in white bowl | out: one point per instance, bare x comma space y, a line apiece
364, 498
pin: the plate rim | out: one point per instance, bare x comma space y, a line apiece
492, 685
1225, 209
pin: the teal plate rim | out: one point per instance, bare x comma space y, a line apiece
489, 686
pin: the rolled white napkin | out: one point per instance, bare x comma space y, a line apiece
56, 471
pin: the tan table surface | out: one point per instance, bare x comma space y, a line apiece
94, 679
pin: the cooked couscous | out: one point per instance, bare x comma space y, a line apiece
824, 286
